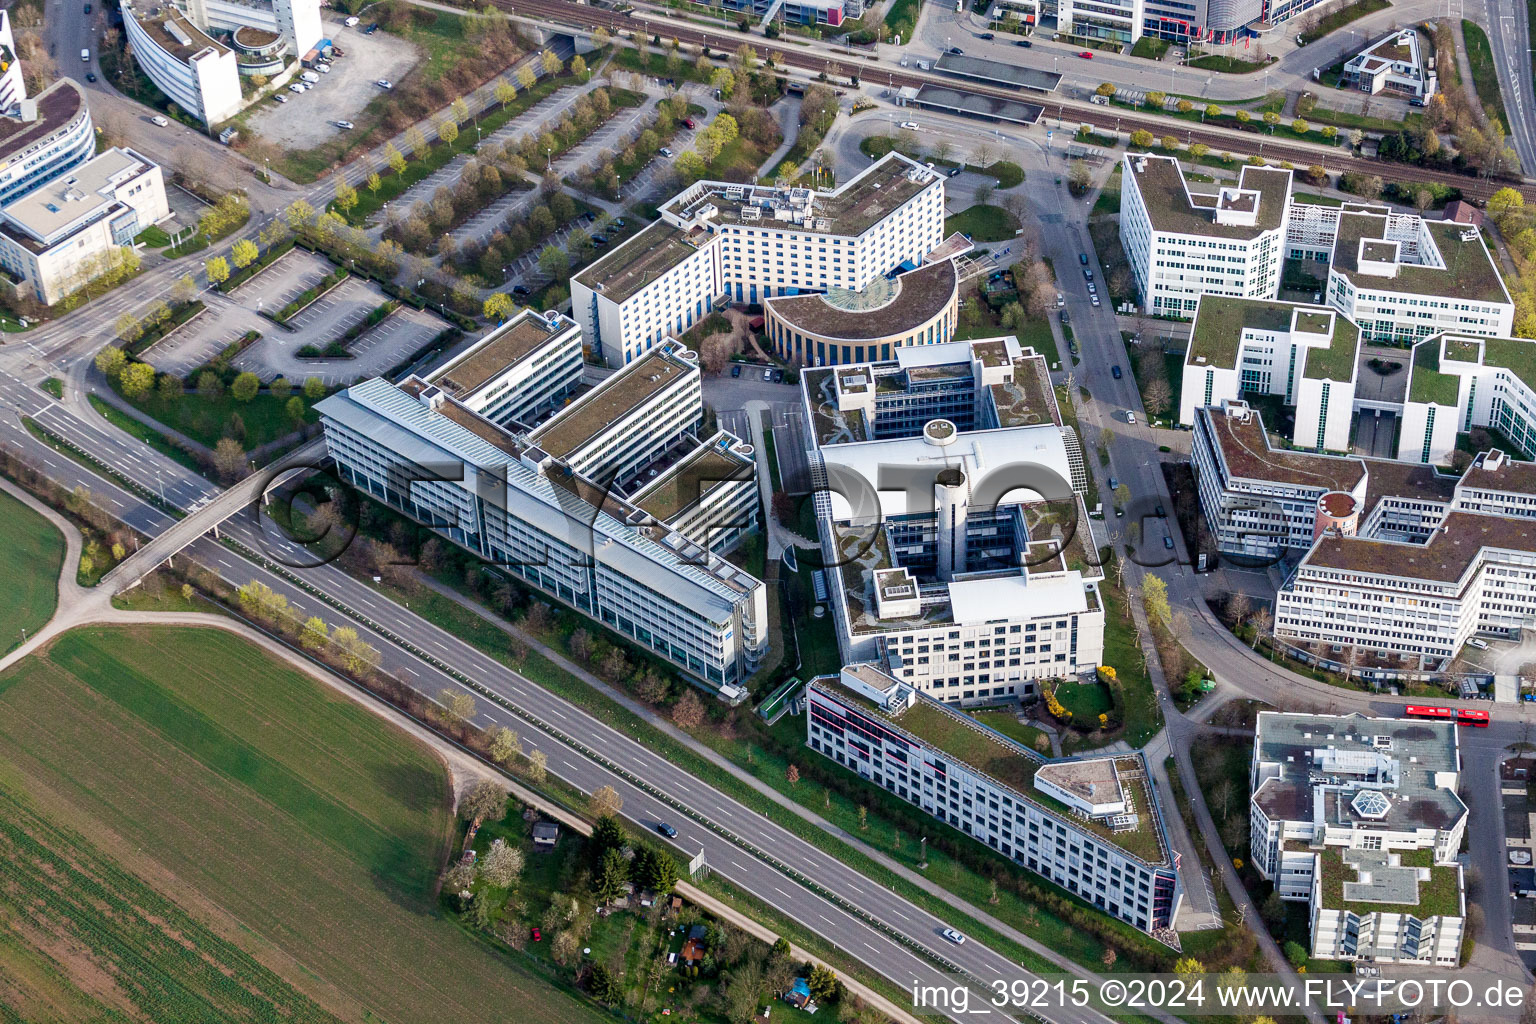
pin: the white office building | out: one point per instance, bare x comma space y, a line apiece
1115, 21
1359, 818
1182, 244
43, 136
1402, 278
611, 505
957, 547
197, 72
62, 235
13, 89
1305, 355
297, 22
1393, 64
1092, 826
1459, 383
718, 242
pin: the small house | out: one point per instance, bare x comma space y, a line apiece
693, 948
545, 833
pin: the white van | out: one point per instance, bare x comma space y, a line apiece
310, 77
351, 22
85, 55
159, 121
323, 68
1473, 641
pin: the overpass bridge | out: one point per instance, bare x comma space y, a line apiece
208, 516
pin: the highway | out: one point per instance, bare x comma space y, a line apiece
653, 789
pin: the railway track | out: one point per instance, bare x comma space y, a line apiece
1241, 143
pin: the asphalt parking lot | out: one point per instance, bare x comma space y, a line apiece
308, 119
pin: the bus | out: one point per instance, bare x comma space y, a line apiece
1423, 711
1476, 719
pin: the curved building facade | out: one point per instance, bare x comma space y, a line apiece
196, 72
258, 51
45, 136
919, 307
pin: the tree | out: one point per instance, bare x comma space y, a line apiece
459, 878
1296, 953
526, 77
505, 746
485, 801
1300, 126
1505, 202
506, 92
1243, 117
579, 68
605, 802
499, 307
460, 110
314, 388
1184, 106
1156, 99
1109, 957
1271, 118
1238, 607
822, 982
110, 361
1188, 965
550, 62
1141, 138
792, 774
608, 881
1079, 176
1159, 396
394, 158
538, 766
1262, 622
245, 387
314, 635
244, 253
1212, 110
294, 409
136, 379
229, 458
447, 131
129, 329
652, 687
1106, 89
217, 269
1154, 598
501, 864
1170, 142
458, 707
554, 262
688, 712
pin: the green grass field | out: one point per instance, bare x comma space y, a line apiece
34, 555
191, 831
208, 419
1484, 78
983, 223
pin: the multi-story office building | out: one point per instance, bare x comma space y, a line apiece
43, 137
296, 22
1392, 64
1115, 21
1092, 826
13, 89
1359, 818
1182, 244
611, 505
949, 520
1306, 355
60, 236
919, 307
718, 242
1459, 383
197, 72
1402, 278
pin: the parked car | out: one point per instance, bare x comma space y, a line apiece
599, 239
666, 152
158, 121
953, 936
666, 830
345, 126
988, 35
1159, 511
689, 123
384, 83
521, 289
352, 21
1066, 317
1114, 371
955, 170
1082, 258
1086, 55
87, 8
296, 87
1113, 483
538, 936
778, 376
767, 375
957, 51
1093, 289
1130, 417
1023, 42
1087, 274
279, 98
735, 371
1095, 300
371, 29
90, 76
1168, 543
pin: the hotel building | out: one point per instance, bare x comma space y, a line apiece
1359, 818
957, 547
1182, 244
718, 242
603, 499
1092, 826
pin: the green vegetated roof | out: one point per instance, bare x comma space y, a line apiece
1221, 320
1337, 361
950, 733
1469, 271
1514, 354
1427, 383
1439, 896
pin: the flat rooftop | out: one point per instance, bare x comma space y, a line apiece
638, 262
80, 193
585, 418
1469, 272
996, 72
505, 346
1389, 882
989, 752
57, 105
919, 296
1413, 480
1426, 381
1174, 209
707, 467
1219, 324
1027, 399
1339, 360
991, 108
1444, 558
1508, 475
173, 31
1245, 448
